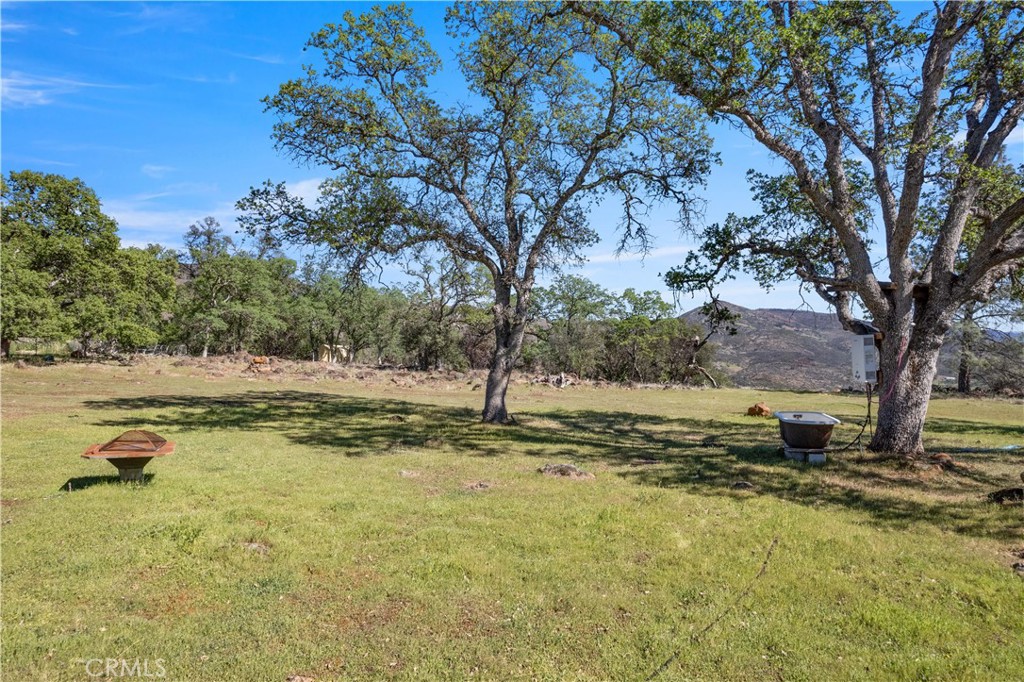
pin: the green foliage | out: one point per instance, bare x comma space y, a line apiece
434, 321
641, 337
357, 314
388, 323
574, 309
583, 329
64, 275
28, 309
232, 300
147, 293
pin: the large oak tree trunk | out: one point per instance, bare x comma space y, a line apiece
903, 404
908, 363
509, 329
498, 377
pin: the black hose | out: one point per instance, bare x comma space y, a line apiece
863, 426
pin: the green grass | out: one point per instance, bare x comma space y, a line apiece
332, 529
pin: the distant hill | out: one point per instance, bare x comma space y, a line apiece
797, 349
774, 348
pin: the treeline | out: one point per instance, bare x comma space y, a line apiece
66, 277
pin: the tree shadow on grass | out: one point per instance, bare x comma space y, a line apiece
1013, 435
700, 456
82, 482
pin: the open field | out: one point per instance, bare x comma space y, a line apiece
372, 529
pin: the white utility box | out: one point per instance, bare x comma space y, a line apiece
865, 359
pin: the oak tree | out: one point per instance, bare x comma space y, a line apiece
64, 275
557, 118
867, 109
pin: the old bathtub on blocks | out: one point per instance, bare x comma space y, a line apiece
806, 430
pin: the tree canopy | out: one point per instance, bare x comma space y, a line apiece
559, 118
64, 274
878, 117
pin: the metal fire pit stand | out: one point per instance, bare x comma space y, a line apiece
130, 453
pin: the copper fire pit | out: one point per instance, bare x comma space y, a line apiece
130, 452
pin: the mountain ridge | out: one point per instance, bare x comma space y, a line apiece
783, 348
800, 349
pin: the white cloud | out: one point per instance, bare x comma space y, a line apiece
34, 161
24, 90
177, 17
139, 223
262, 58
307, 190
174, 190
155, 171
230, 79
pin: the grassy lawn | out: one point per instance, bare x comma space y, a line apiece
347, 529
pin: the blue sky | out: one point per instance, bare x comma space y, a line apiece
156, 106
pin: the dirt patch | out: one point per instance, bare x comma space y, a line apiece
151, 573
171, 606
257, 547
376, 615
642, 558
477, 619
7, 505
